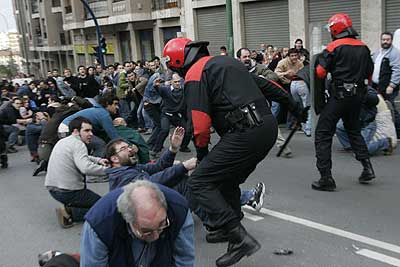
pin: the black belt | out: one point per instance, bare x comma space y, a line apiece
247, 116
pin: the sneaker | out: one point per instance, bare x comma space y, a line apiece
258, 200
64, 218
12, 149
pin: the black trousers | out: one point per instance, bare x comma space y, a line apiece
347, 109
215, 182
2, 140
166, 121
154, 113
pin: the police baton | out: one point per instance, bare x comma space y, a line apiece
292, 132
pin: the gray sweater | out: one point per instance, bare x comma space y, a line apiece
69, 162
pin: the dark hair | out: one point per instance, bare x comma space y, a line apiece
239, 52
222, 48
77, 124
111, 65
110, 147
80, 66
54, 98
129, 72
109, 84
125, 62
155, 58
298, 40
387, 33
55, 70
32, 82
292, 51
104, 101
270, 46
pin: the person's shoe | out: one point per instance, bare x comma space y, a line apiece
185, 150
258, 200
217, 236
368, 172
389, 150
4, 161
42, 167
12, 149
64, 218
326, 183
148, 132
240, 244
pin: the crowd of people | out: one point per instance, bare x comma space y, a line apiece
93, 126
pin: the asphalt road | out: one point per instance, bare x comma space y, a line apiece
358, 225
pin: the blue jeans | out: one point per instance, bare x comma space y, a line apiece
367, 133
124, 109
143, 117
245, 196
275, 108
79, 201
11, 133
391, 98
301, 94
32, 133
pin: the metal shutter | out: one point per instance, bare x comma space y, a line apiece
266, 22
319, 11
211, 26
392, 15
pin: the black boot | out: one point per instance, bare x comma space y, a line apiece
42, 167
240, 244
326, 183
4, 161
368, 172
218, 236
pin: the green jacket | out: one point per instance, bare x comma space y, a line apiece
133, 137
122, 85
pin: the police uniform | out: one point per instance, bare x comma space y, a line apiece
221, 93
349, 62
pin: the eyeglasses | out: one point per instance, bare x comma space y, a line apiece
148, 233
123, 149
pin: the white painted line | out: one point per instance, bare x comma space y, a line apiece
379, 257
252, 217
332, 230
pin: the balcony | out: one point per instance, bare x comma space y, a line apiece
119, 8
165, 4
100, 9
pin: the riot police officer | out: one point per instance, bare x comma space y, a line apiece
349, 62
220, 92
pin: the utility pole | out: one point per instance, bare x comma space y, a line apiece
229, 27
99, 51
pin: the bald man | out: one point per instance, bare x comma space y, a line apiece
124, 229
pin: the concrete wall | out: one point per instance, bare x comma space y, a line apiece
298, 26
372, 22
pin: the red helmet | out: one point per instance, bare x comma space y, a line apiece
174, 52
338, 23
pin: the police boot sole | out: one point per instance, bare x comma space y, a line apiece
236, 258
323, 188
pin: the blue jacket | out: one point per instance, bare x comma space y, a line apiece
99, 117
162, 172
112, 229
150, 93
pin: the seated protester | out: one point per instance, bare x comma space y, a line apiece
44, 93
124, 169
25, 110
173, 111
142, 224
108, 90
133, 138
49, 137
68, 167
32, 134
3, 149
377, 126
100, 117
52, 105
9, 118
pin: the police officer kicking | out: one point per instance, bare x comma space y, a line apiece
220, 91
349, 62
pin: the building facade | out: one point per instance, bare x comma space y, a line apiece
61, 33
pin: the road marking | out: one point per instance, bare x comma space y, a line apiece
332, 230
252, 217
379, 257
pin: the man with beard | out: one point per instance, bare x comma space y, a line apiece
386, 76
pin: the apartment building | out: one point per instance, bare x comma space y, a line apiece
61, 33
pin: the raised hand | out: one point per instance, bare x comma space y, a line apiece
177, 138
